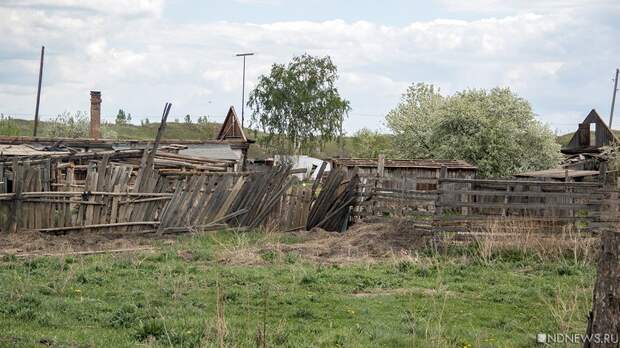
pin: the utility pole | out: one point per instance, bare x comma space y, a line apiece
613, 98
243, 87
36, 110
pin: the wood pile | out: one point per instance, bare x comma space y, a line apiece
332, 209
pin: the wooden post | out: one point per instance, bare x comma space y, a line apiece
381, 166
379, 182
16, 206
160, 133
603, 173
506, 201
36, 110
443, 173
571, 201
605, 316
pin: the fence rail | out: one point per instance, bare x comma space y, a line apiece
464, 204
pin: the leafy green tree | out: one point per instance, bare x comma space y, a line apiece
298, 105
203, 120
122, 118
495, 130
188, 119
370, 144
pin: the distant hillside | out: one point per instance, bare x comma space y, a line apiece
565, 138
174, 130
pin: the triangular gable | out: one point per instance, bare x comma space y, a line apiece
593, 117
231, 128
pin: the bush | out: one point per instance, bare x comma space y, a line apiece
67, 125
8, 126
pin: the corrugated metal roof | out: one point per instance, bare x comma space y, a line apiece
412, 163
212, 151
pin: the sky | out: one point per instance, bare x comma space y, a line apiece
558, 54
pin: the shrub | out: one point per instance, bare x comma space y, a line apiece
67, 125
8, 126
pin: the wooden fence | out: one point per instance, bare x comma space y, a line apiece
40, 196
460, 205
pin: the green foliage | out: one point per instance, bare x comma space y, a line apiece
8, 126
370, 144
298, 105
122, 118
188, 119
495, 130
67, 125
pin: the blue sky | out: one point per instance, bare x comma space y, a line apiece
558, 54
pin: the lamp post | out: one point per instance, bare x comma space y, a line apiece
243, 86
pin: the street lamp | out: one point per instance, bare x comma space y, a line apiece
243, 86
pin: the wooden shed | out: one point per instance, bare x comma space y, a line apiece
592, 134
417, 174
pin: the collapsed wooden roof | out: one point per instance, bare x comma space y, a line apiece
412, 163
586, 141
19, 150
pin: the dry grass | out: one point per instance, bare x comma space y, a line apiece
361, 243
526, 236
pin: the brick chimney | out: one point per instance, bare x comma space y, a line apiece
95, 114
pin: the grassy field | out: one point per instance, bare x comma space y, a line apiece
201, 291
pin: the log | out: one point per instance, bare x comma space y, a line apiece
604, 319
85, 227
87, 252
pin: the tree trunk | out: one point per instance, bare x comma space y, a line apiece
604, 319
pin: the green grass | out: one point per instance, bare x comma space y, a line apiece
174, 130
163, 299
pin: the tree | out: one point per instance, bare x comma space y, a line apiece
495, 130
298, 105
188, 119
121, 117
370, 144
203, 120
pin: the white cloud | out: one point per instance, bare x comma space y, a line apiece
115, 7
496, 6
143, 61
